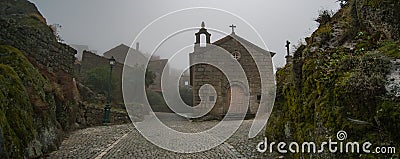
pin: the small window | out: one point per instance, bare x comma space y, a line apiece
211, 98
258, 97
236, 55
186, 83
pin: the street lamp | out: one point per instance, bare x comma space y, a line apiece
108, 107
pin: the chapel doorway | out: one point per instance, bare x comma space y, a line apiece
236, 103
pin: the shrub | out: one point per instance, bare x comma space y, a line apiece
156, 101
324, 17
97, 79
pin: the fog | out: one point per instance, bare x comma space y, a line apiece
104, 24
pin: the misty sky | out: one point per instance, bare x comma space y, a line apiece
104, 24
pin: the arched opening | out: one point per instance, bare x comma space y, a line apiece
203, 42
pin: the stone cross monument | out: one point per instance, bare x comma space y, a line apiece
288, 57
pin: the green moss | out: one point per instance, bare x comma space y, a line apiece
338, 87
390, 49
29, 21
372, 3
388, 112
29, 75
23, 99
324, 32
15, 112
33, 81
379, 3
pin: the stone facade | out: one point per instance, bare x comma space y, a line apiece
201, 74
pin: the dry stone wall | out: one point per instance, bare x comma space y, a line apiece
27, 30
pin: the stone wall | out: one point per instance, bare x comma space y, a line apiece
93, 115
22, 26
92, 60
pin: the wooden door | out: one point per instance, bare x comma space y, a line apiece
237, 101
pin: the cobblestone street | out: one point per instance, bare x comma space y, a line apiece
124, 141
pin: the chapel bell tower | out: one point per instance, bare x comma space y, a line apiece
199, 44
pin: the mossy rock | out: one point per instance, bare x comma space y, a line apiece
330, 89
23, 98
16, 113
36, 85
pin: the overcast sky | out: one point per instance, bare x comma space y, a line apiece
104, 24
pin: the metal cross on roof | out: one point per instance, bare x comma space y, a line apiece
233, 28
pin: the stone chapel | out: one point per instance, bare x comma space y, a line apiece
201, 74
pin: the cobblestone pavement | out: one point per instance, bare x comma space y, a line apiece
124, 141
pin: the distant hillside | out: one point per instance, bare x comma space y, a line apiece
347, 77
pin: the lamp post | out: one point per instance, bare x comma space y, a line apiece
108, 107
